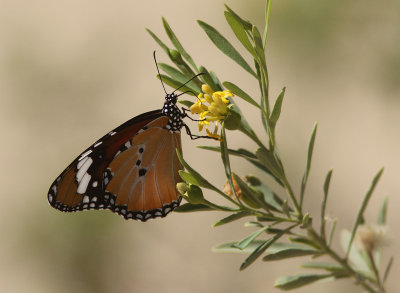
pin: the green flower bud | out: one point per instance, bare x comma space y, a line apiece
194, 195
253, 180
182, 188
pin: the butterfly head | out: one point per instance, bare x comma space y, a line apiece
171, 98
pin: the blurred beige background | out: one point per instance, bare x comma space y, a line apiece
70, 70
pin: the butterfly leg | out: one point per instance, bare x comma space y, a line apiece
184, 114
194, 136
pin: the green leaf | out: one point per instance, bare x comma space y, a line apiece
259, 47
293, 282
262, 247
240, 93
225, 46
188, 178
159, 42
231, 218
177, 59
387, 270
247, 155
177, 44
178, 76
268, 160
253, 224
239, 31
176, 84
208, 79
186, 103
271, 198
216, 80
231, 248
200, 179
363, 207
252, 197
246, 24
305, 241
382, 213
290, 252
330, 267
276, 111
323, 207
267, 14
309, 157
188, 208
358, 261
332, 232
226, 162
242, 244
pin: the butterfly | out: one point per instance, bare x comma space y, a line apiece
132, 170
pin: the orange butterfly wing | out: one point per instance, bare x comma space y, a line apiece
144, 177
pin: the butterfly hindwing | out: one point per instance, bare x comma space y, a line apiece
143, 177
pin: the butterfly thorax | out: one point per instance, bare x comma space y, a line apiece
171, 110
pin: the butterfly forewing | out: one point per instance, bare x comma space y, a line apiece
126, 171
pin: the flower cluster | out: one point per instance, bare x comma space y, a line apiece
216, 111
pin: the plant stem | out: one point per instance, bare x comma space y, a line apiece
342, 262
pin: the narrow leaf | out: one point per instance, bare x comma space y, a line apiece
268, 160
231, 248
362, 208
248, 156
293, 282
332, 232
200, 179
186, 103
188, 178
225, 46
387, 270
176, 84
240, 93
330, 267
208, 79
246, 24
177, 44
259, 47
261, 249
323, 208
276, 111
239, 31
159, 42
249, 239
309, 157
382, 213
231, 218
254, 196
289, 253
188, 208
178, 76
267, 14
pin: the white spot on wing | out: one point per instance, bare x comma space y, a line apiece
85, 154
83, 169
50, 198
94, 184
83, 184
81, 162
98, 143
85, 199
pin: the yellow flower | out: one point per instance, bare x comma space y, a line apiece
216, 110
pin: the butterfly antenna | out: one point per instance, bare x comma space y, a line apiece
158, 70
201, 73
